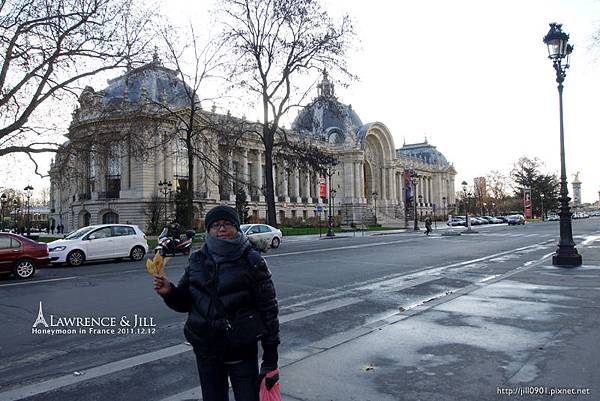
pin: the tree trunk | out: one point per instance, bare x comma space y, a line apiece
269, 187
189, 196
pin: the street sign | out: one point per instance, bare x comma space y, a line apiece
319, 209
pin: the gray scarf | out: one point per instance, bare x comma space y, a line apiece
226, 250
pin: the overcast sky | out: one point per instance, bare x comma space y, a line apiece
470, 75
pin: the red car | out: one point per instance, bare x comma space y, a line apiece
21, 256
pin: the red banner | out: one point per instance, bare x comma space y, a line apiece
322, 187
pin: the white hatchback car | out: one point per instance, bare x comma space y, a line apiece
263, 232
104, 241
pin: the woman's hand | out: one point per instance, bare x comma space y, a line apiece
161, 285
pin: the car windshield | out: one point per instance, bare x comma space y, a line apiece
244, 227
79, 233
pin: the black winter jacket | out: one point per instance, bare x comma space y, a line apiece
243, 283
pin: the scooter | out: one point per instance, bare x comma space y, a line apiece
168, 245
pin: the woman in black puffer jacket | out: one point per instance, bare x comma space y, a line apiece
225, 277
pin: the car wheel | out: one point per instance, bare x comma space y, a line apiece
137, 253
25, 268
75, 258
275, 242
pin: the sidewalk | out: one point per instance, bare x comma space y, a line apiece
528, 335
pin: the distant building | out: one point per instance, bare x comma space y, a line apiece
370, 170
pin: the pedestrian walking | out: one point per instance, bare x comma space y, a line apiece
427, 225
229, 297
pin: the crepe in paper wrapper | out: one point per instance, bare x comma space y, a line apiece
156, 266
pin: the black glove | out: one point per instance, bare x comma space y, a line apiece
269, 358
269, 381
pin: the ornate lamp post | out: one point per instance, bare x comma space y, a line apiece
414, 178
467, 199
166, 188
444, 208
16, 214
330, 172
28, 193
558, 50
2, 207
375, 194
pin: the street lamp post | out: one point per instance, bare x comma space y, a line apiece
444, 208
2, 207
414, 178
467, 198
330, 172
542, 204
15, 214
558, 49
166, 188
375, 194
28, 192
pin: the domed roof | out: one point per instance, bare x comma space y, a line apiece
325, 117
149, 85
424, 152
157, 83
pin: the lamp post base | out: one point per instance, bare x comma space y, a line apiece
566, 257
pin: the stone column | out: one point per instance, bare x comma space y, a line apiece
383, 189
285, 181
393, 183
296, 185
307, 193
348, 194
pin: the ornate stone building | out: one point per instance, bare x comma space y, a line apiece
371, 179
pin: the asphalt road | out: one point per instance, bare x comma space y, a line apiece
328, 289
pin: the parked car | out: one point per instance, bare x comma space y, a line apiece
503, 219
456, 221
492, 219
104, 241
263, 231
21, 256
516, 219
553, 217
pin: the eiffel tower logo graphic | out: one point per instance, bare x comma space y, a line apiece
40, 318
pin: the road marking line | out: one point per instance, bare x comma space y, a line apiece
40, 281
92, 373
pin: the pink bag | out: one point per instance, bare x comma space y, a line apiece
274, 393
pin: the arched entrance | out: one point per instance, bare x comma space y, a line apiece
110, 218
84, 218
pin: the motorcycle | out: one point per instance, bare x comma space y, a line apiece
169, 245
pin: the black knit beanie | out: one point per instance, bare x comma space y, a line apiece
222, 212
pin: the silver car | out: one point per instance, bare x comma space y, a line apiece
264, 232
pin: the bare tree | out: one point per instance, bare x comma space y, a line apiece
47, 47
273, 43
